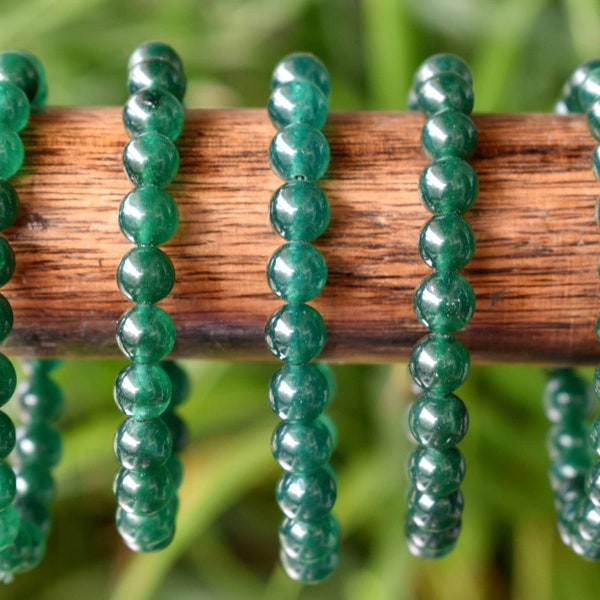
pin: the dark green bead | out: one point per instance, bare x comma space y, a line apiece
147, 533
301, 66
306, 496
8, 380
148, 215
10, 521
446, 242
593, 119
18, 68
40, 399
297, 101
298, 392
180, 382
8, 485
145, 333
309, 572
142, 391
436, 472
35, 481
589, 90
151, 159
155, 50
299, 151
175, 469
153, 109
35, 511
441, 63
25, 553
14, 106
592, 484
6, 318
11, 152
570, 90
302, 447
567, 435
144, 492
449, 133
439, 362
9, 204
299, 211
296, 272
42, 92
567, 396
7, 435
423, 543
38, 443
435, 514
446, 91
179, 431
140, 445
308, 542
7, 261
156, 73
295, 333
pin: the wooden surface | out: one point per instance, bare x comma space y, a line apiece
534, 273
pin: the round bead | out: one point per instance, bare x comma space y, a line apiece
10, 522
11, 152
6, 318
568, 472
446, 91
295, 333
141, 445
588, 522
142, 391
442, 63
153, 109
435, 514
7, 261
299, 151
436, 472
155, 51
179, 431
301, 447
593, 119
26, 552
42, 92
147, 533
8, 485
449, 133
306, 496
7, 435
592, 484
446, 242
309, 571
8, 380
566, 436
151, 159
145, 333
38, 443
439, 362
297, 101
156, 73
144, 492
35, 481
18, 68
35, 511
308, 541
40, 399
583, 548
589, 90
9, 204
301, 66
180, 382
423, 543
570, 90
14, 106
567, 396
296, 272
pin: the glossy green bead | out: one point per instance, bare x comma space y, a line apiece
179, 430
565, 436
295, 333
8, 485
175, 469
42, 92
147, 533
435, 514
8, 380
7, 435
6, 318
145, 333
20, 70
306, 496
297, 101
40, 399
14, 106
35, 511
567, 396
154, 50
446, 91
141, 445
592, 484
25, 553
7, 261
153, 109
570, 90
11, 152
439, 362
446, 242
9, 204
569, 470
436, 472
588, 522
449, 133
142, 391
144, 492
593, 119
441, 63
296, 272
180, 382
301, 66
148, 215
151, 159
307, 542
35, 481
301, 447
582, 547
589, 90
38, 443
299, 151
309, 572
10, 521
299, 211
423, 543
156, 73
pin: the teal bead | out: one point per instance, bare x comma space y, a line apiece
179, 431
306, 496
568, 471
6, 318
438, 422
449, 133
567, 396
144, 492
10, 521
592, 484
147, 533
301, 66
588, 522
583, 548
156, 73
38, 443
35, 481
19, 69
446, 91
297, 272
566, 436
446, 242
40, 399
436, 472
35, 511
8, 436
299, 211
14, 106
148, 215
175, 469
308, 542
8, 380
42, 92
142, 391
439, 362
8, 485
155, 51
7, 261
297, 101
423, 543
570, 91
295, 333
441, 63
298, 392
145, 334
299, 151
151, 159
9, 204
141, 445
309, 572
25, 553
435, 514
11, 152
153, 109
589, 90
180, 382
593, 119
145, 275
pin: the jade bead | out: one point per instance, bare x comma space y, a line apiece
145, 334
8, 436
299, 211
423, 543
299, 151
445, 91
25, 553
179, 430
435, 514
147, 533
565, 436
439, 362
18, 68
156, 73
296, 272
436, 472
153, 109
306, 496
567, 396
6, 318
309, 572
582, 547
329, 375
10, 522
155, 51
35, 481
308, 542
42, 92
301, 66
148, 215
142, 391
8, 379
593, 119
140, 445
9, 204
297, 101
180, 382
592, 484
449, 133
569, 470
14, 106
446, 242
175, 469
295, 333
11, 152
7, 261
35, 511
570, 90
144, 492
8, 485
151, 159
441, 63
588, 522
40, 399
589, 90
38, 443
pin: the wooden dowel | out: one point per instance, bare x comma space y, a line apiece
534, 273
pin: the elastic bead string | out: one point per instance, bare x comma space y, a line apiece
295, 333
146, 486
444, 303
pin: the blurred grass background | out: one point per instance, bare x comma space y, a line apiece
520, 52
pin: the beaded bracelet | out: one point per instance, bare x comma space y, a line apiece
145, 486
295, 333
444, 303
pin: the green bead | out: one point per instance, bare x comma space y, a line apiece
8, 380
566, 436
141, 445
309, 572
446, 91
10, 521
593, 119
18, 68
142, 391
449, 133
329, 375
439, 362
308, 542
6, 318
423, 543
595, 435
596, 162
588, 522
14, 106
155, 50
25, 553
38, 443
570, 90
175, 469
147, 533
42, 92
8, 485
589, 90
35, 481
306, 496
11, 152
145, 275
435, 514
302, 447
151, 159
295, 333
446, 242
35, 511
145, 333
180, 382
444, 302
298, 392
328, 422
8, 435
442, 63
296, 272
178, 429
9, 204
156, 73
568, 471
7, 261
299, 211
567, 396
299, 151
144, 492
148, 215
301, 66
297, 101
40, 399
592, 484
436, 472
153, 109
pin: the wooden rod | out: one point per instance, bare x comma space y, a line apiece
534, 273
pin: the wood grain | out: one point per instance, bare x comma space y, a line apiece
534, 273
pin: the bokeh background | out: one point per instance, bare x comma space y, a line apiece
520, 52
